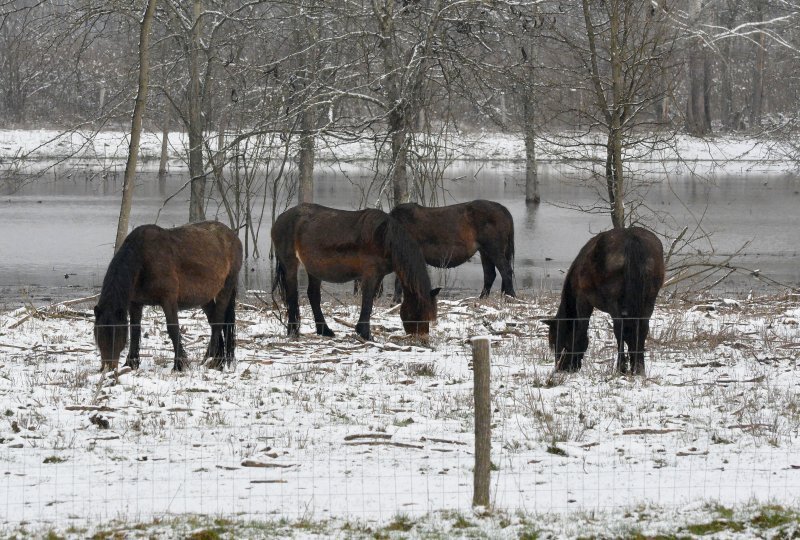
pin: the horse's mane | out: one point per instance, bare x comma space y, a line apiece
407, 259
119, 278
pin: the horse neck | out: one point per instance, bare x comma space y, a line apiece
408, 262
119, 280
567, 309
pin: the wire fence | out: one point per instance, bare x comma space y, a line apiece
335, 427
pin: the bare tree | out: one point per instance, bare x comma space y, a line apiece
617, 57
136, 123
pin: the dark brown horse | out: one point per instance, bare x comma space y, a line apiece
340, 246
620, 272
190, 266
450, 235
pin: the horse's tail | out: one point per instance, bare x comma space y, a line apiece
408, 262
635, 276
510, 242
229, 333
280, 278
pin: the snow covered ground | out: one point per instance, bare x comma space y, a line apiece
336, 429
723, 154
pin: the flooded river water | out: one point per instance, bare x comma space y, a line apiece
57, 233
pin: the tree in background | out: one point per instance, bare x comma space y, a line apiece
136, 123
617, 56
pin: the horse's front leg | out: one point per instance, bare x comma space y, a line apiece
368, 288
315, 298
135, 311
174, 331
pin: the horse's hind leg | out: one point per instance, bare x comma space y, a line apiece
135, 311
398, 291
506, 275
368, 287
635, 336
229, 328
216, 344
174, 331
315, 298
488, 274
622, 360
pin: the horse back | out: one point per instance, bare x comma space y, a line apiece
190, 264
620, 272
333, 245
450, 235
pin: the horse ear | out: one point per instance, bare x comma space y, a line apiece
435, 292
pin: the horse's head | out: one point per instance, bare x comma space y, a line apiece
568, 339
110, 334
418, 312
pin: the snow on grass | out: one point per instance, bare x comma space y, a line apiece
335, 429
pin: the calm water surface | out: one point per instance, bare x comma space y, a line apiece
57, 234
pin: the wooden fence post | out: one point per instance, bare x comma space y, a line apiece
481, 356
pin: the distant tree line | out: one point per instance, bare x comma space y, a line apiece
269, 78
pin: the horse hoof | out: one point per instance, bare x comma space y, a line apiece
132, 363
179, 365
325, 331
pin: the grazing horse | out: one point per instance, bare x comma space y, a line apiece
620, 272
189, 266
340, 246
450, 235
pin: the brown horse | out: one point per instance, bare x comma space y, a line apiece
189, 266
619, 272
450, 235
340, 246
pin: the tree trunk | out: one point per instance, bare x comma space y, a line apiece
397, 128
163, 159
305, 188
757, 95
136, 124
618, 109
726, 106
695, 102
196, 128
707, 91
531, 177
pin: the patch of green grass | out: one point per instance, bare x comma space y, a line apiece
400, 523
556, 451
54, 459
715, 526
404, 422
108, 535
461, 522
206, 534
773, 516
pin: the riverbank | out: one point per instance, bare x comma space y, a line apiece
726, 154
